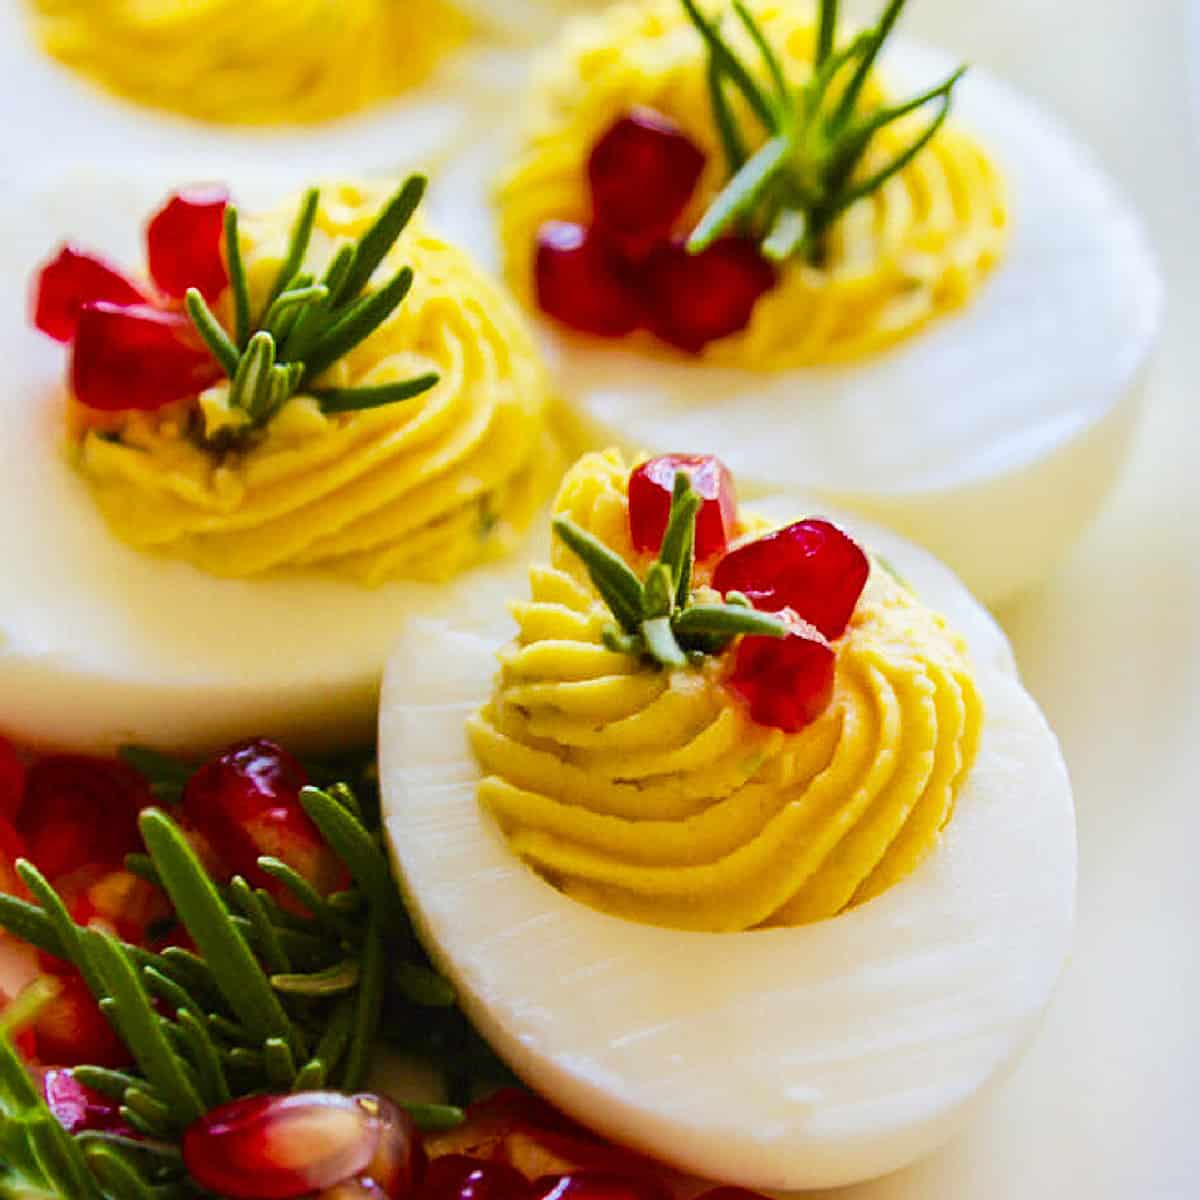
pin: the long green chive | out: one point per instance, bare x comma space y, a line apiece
741, 194
333, 981
297, 244
375, 244
367, 1012
342, 400
213, 333
616, 583
729, 621
358, 323
237, 279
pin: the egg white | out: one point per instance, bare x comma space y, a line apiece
781, 1059
992, 436
101, 644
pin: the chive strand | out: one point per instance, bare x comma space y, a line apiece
358, 399
617, 584
878, 36
741, 193
237, 279
212, 333
275, 958
298, 243
379, 239
368, 1009
826, 31
204, 1056
116, 1175
236, 972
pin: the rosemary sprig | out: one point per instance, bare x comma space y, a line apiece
274, 1000
814, 137
308, 325
659, 618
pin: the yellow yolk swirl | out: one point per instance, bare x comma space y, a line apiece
251, 61
417, 490
652, 795
918, 248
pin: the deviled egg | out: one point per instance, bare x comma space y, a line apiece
748, 229
263, 460
749, 850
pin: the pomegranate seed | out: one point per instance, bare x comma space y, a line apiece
787, 682
137, 358
596, 1185
12, 847
694, 299
72, 279
811, 567
79, 1109
245, 804
362, 1188
643, 172
281, 1147
399, 1161
12, 781
580, 283
650, 489
457, 1177
71, 1030
81, 812
183, 242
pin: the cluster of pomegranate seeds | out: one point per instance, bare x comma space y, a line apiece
245, 804
810, 573
811, 567
289, 1147
650, 489
132, 348
626, 271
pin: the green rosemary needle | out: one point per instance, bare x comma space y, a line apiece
813, 138
308, 325
659, 619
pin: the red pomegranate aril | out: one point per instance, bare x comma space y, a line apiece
12, 847
80, 1109
12, 781
183, 242
642, 172
458, 1177
71, 279
650, 489
695, 299
787, 682
399, 1160
811, 567
280, 1147
137, 358
245, 804
362, 1188
71, 1030
81, 812
580, 283
597, 1185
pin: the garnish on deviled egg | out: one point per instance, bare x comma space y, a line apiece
767, 735
252, 62
744, 187
329, 386
746, 882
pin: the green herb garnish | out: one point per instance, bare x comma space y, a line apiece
807, 171
308, 324
660, 619
273, 1000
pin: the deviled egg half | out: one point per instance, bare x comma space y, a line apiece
748, 850
299, 424
747, 227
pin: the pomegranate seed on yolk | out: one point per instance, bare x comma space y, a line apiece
137, 358
72, 279
811, 567
694, 299
579, 282
643, 172
788, 682
281, 1147
183, 243
650, 489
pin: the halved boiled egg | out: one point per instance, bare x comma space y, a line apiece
776, 1058
990, 433
102, 643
